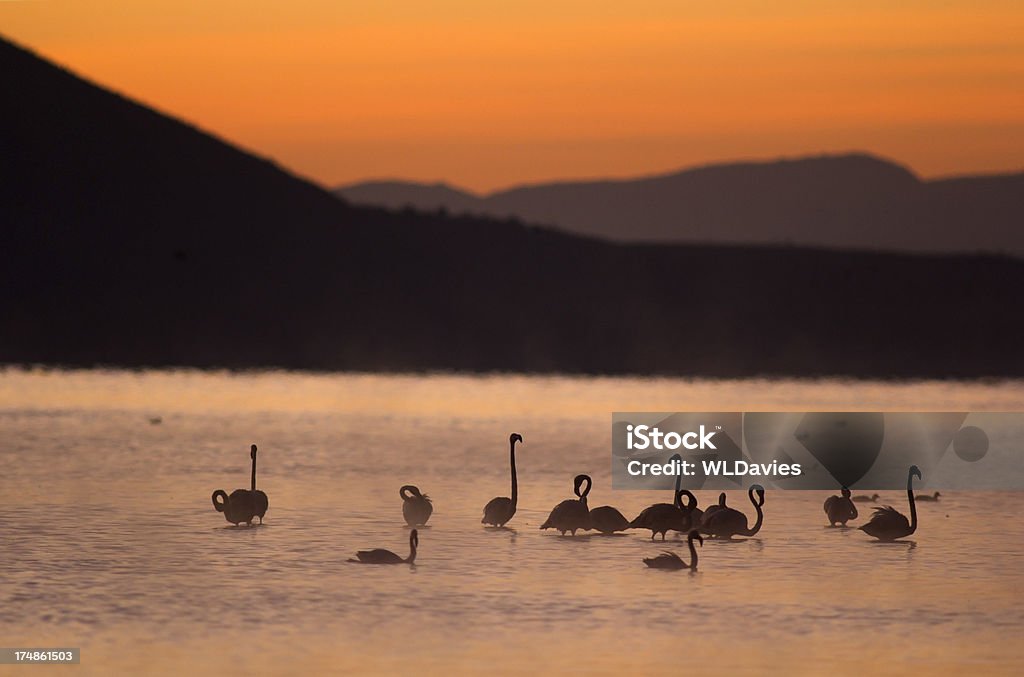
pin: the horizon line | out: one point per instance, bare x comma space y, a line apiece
675, 170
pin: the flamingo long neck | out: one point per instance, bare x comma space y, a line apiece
512, 463
760, 515
583, 496
693, 553
913, 507
254, 472
679, 482
691, 502
412, 550
223, 500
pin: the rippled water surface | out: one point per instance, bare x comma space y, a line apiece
108, 539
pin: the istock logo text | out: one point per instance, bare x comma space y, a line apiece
643, 437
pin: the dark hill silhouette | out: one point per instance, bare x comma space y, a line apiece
129, 238
848, 201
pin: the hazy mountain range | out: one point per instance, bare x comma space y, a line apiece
130, 238
848, 201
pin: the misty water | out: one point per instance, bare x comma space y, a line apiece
109, 540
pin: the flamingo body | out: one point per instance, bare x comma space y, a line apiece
237, 508
887, 524
498, 511
661, 518
570, 515
608, 520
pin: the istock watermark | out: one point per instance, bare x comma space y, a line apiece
642, 436
817, 450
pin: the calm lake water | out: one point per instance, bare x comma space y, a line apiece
110, 542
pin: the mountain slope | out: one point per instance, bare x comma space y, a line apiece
128, 238
849, 201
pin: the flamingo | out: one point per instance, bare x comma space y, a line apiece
381, 556
416, 507
499, 511
662, 517
840, 508
670, 560
727, 522
243, 504
571, 515
887, 524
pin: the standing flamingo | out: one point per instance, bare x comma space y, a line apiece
243, 504
662, 517
840, 509
499, 511
728, 522
887, 524
571, 515
416, 507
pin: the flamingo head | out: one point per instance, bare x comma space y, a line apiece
578, 484
252, 451
515, 437
914, 470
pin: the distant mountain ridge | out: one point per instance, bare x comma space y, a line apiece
854, 201
128, 238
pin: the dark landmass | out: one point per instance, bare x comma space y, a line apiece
849, 201
131, 239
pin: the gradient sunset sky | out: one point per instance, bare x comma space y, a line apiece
487, 94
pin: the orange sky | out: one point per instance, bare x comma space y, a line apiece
490, 93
